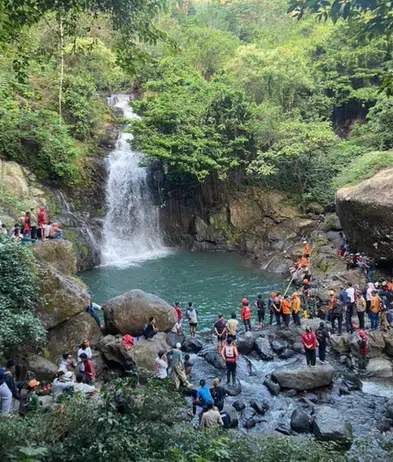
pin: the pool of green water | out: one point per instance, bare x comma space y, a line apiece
214, 282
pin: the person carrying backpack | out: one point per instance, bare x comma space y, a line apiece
322, 338
230, 355
337, 315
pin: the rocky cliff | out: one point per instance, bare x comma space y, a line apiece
366, 215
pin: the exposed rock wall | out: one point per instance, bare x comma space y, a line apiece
366, 214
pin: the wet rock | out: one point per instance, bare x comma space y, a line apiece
211, 356
376, 344
389, 408
279, 346
300, 421
389, 346
42, 369
128, 313
343, 390
173, 339
379, 367
340, 343
263, 348
328, 425
233, 390
273, 387
114, 351
304, 378
352, 382
192, 345
46, 402
233, 415
259, 407
144, 352
311, 397
249, 424
239, 406
287, 354
68, 335
283, 428
298, 347
246, 343
292, 393
384, 424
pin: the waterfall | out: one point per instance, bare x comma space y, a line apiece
131, 230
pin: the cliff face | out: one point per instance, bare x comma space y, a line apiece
366, 215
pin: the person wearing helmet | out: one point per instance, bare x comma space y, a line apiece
310, 344
363, 349
296, 306
246, 314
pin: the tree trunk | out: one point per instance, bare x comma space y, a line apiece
61, 36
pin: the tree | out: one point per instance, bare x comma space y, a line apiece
19, 326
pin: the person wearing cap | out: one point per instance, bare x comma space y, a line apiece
310, 344
177, 365
220, 331
89, 373
9, 378
5, 396
322, 335
63, 382
218, 394
296, 307
246, 314
363, 349
29, 400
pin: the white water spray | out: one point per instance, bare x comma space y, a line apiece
131, 226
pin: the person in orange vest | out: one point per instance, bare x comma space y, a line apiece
375, 310
332, 301
246, 314
307, 249
286, 311
230, 354
296, 306
303, 262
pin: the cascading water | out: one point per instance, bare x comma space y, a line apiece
131, 227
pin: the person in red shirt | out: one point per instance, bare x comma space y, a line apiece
246, 314
230, 355
309, 340
89, 374
179, 315
41, 222
363, 349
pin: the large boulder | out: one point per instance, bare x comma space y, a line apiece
246, 343
113, 350
379, 367
211, 356
144, 352
300, 421
303, 377
42, 369
340, 343
328, 425
263, 348
68, 336
57, 253
60, 297
192, 345
366, 214
128, 313
279, 346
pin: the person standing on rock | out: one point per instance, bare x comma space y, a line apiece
9, 378
361, 305
89, 374
351, 299
286, 311
179, 315
322, 335
296, 307
178, 372
309, 340
33, 224
246, 314
218, 394
270, 305
41, 222
232, 326
363, 349
5, 396
337, 315
375, 310
85, 348
230, 355
192, 316
220, 331
332, 301
260, 306
277, 309
307, 249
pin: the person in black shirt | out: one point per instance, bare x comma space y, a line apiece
9, 378
150, 328
323, 338
218, 393
261, 306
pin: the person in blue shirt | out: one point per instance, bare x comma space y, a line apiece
203, 398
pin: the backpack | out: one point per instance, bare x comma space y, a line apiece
229, 352
320, 335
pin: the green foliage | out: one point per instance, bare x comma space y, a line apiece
19, 327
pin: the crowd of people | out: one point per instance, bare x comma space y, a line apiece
32, 227
74, 375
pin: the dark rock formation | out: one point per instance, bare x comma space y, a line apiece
304, 378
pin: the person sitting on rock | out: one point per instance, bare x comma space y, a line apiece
211, 417
66, 363
29, 401
62, 383
150, 329
161, 365
220, 329
55, 232
218, 393
188, 365
363, 349
310, 344
203, 398
84, 388
246, 314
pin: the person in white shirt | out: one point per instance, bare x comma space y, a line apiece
62, 382
85, 348
84, 388
351, 296
192, 317
177, 328
161, 364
